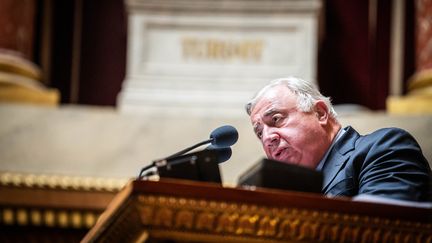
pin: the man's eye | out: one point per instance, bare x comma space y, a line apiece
259, 134
276, 119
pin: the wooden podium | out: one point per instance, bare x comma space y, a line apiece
189, 211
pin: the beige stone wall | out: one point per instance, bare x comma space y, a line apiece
100, 142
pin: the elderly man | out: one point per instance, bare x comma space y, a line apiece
296, 124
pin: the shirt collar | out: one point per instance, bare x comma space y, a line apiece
322, 162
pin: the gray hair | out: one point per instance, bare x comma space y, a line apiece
307, 94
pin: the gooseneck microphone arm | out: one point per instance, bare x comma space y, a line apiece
190, 148
221, 138
153, 164
222, 155
140, 175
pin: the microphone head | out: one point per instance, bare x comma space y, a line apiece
222, 153
224, 136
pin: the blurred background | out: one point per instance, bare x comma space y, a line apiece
92, 91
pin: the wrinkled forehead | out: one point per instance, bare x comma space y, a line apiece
276, 96
261, 107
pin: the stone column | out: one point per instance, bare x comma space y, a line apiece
419, 97
422, 79
17, 26
20, 78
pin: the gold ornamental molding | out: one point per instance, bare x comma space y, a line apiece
61, 182
20, 216
236, 220
54, 201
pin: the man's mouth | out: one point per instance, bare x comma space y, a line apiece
278, 153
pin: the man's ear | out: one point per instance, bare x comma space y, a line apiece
321, 111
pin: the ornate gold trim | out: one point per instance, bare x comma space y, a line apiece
48, 217
242, 221
61, 182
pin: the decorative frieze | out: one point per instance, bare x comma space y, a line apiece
53, 218
61, 182
54, 201
164, 213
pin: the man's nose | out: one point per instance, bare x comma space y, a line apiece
271, 139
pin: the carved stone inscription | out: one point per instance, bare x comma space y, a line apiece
189, 57
222, 49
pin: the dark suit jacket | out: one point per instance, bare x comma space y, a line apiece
387, 162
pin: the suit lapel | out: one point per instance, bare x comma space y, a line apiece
339, 155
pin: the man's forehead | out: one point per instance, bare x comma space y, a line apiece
261, 107
272, 98
261, 112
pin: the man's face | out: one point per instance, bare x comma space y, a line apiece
286, 133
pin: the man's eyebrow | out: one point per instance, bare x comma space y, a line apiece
270, 111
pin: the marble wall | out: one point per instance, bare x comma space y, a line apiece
102, 142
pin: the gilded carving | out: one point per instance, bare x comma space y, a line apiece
308, 230
76, 219
63, 182
63, 219
47, 217
164, 217
335, 232
286, 224
267, 226
227, 223
8, 216
368, 236
89, 219
247, 224
146, 214
184, 219
22, 217
205, 221
36, 217
289, 228
325, 234
349, 234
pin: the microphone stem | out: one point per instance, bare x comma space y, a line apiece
140, 175
190, 148
174, 155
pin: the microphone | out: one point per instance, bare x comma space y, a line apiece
224, 136
222, 153
221, 137
210, 154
